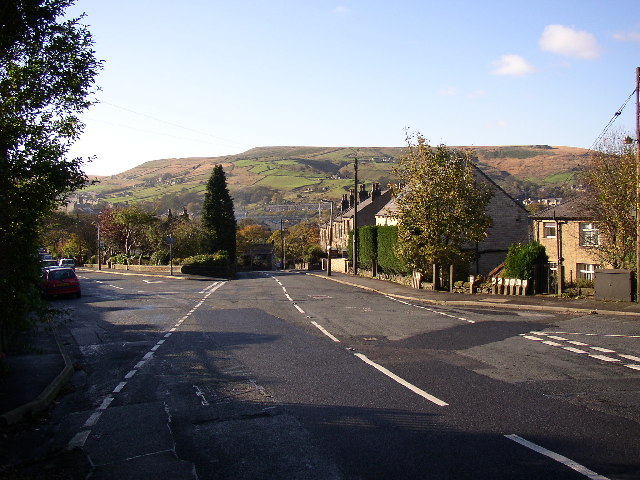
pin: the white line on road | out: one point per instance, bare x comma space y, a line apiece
288, 297
632, 366
93, 419
299, 309
604, 359
574, 350
78, 440
119, 387
603, 350
430, 309
323, 330
402, 381
557, 457
130, 374
105, 403
629, 357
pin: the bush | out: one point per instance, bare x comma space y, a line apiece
388, 261
119, 259
208, 259
522, 258
159, 257
367, 246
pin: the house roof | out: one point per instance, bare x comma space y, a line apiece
576, 208
382, 199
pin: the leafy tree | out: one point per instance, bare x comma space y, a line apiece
251, 235
47, 71
441, 208
298, 239
611, 178
127, 229
218, 217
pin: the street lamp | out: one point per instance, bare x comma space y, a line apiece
355, 211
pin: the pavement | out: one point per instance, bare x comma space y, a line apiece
35, 377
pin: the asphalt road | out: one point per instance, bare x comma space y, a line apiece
288, 376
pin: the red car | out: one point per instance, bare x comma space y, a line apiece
60, 281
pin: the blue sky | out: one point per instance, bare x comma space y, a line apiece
209, 77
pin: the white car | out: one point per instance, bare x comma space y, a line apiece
67, 262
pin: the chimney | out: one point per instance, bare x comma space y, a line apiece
344, 205
352, 197
375, 191
363, 194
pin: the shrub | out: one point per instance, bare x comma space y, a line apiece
522, 258
159, 257
388, 261
210, 259
367, 246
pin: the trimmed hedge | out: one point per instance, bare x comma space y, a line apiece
216, 264
388, 261
367, 246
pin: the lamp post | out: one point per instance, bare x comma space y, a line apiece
638, 184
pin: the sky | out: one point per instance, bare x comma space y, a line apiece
212, 77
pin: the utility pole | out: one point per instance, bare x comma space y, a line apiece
99, 249
330, 241
355, 214
638, 184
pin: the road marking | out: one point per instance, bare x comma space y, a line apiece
93, 419
299, 309
558, 338
152, 281
105, 403
598, 334
604, 359
200, 394
322, 329
402, 381
574, 350
430, 309
603, 350
580, 344
553, 344
632, 366
78, 440
557, 457
629, 357
288, 297
119, 387
529, 337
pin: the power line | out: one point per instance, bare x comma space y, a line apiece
151, 117
613, 119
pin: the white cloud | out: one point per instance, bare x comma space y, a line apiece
512, 65
340, 10
448, 91
569, 42
627, 36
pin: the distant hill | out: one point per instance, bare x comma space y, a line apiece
277, 175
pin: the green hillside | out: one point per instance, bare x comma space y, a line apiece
280, 175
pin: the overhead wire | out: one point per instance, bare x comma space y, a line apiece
151, 117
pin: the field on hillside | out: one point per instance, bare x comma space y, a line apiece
269, 175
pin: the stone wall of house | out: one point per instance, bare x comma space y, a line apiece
572, 252
510, 225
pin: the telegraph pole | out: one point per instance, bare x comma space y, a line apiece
638, 184
355, 214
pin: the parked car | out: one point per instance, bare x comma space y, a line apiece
60, 281
67, 262
48, 263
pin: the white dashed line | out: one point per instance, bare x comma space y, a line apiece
402, 381
119, 387
557, 457
323, 330
430, 309
299, 309
629, 357
604, 359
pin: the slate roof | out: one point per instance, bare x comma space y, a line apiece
576, 208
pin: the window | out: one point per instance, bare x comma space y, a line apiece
586, 271
589, 235
549, 229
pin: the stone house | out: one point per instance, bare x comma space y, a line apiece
510, 225
570, 236
369, 203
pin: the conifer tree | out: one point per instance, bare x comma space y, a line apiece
218, 217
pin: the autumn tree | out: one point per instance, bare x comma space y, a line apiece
300, 242
250, 236
441, 207
47, 72
611, 178
218, 217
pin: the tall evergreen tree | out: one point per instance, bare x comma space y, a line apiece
218, 217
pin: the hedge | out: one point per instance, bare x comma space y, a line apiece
522, 258
367, 246
388, 261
